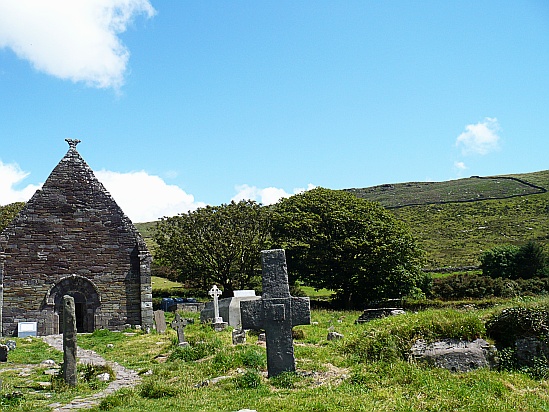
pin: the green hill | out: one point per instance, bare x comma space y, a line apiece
455, 221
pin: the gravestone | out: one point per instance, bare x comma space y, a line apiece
4, 353
160, 321
69, 341
239, 336
218, 322
179, 325
214, 292
229, 308
276, 312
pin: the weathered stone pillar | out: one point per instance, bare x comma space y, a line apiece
69, 341
145, 289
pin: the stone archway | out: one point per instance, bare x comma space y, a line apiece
86, 298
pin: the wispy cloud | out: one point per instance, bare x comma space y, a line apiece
10, 176
266, 196
144, 197
72, 39
460, 166
480, 138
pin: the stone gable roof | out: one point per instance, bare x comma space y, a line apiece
72, 192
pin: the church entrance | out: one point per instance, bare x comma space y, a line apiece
86, 302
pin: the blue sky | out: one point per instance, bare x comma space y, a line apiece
179, 104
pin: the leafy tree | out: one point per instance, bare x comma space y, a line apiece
338, 241
531, 261
215, 244
514, 262
500, 262
8, 213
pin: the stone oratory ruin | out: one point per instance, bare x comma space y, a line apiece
72, 238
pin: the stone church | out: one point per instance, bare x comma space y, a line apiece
72, 238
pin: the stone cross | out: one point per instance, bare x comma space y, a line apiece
69, 341
276, 312
179, 325
215, 293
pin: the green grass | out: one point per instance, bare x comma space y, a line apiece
365, 371
162, 283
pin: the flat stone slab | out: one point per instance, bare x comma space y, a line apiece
455, 355
371, 314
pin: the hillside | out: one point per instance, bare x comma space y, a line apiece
455, 221
454, 230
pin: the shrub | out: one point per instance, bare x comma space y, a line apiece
250, 379
478, 286
253, 358
499, 262
117, 399
519, 322
513, 262
154, 389
529, 325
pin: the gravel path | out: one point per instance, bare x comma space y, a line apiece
124, 377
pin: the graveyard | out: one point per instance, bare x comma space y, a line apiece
213, 374
283, 356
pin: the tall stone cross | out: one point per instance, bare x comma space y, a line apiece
215, 293
276, 312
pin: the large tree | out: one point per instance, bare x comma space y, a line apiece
338, 241
215, 244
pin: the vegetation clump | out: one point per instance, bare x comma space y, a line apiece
522, 336
390, 339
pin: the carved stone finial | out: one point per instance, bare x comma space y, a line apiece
72, 143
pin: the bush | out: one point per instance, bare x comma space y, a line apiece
479, 286
529, 325
117, 399
513, 262
250, 379
519, 322
154, 389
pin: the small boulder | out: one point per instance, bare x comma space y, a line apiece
334, 336
455, 355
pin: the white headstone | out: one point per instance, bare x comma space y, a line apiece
25, 329
244, 293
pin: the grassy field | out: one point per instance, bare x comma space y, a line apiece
367, 370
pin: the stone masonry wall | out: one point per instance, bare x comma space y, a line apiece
72, 227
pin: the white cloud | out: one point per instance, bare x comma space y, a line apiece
10, 176
72, 39
460, 166
481, 138
267, 196
144, 197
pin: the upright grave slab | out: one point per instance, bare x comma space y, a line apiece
160, 321
69, 341
276, 312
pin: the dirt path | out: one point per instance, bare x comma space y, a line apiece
124, 377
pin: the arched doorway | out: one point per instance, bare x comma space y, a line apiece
86, 300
